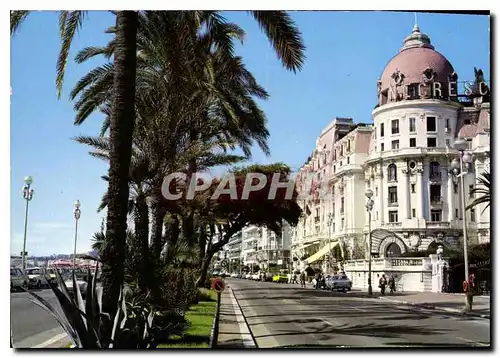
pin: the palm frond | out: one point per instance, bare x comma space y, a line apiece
70, 23
16, 19
284, 36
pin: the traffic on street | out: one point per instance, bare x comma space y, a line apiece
288, 316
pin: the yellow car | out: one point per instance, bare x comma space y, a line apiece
280, 278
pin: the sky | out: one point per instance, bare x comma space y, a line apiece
346, 53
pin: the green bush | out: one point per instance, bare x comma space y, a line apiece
168, 324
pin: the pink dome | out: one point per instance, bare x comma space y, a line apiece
412, 62
416, 63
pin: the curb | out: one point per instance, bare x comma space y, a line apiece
433, 307
214, 333
247, 337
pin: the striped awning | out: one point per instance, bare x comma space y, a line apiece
321, 252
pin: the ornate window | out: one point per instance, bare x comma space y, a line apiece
392, 172
393, 250
435, 170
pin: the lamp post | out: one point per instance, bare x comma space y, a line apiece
77, 213
27, 195
458, 170
329, 222
369, 207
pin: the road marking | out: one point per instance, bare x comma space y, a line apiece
51, 341
244, 331
475, 342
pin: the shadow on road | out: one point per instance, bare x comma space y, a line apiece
366, 330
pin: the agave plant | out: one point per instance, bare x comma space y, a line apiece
82, 320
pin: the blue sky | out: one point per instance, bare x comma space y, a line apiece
346, 53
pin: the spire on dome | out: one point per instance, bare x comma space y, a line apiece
416, 38
415, 27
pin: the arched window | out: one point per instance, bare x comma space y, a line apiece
393, 250
392, 172
435, 170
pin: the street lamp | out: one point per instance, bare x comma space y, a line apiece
329, 222
457, 166
27, 195
77, 213
369, 207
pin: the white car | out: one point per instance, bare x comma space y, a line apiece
52, 274
234, 275
81, 284
36, 276
17, 279
248, 276
255, 277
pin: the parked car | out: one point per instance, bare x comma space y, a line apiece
36, 276
52, 274
248, 276
234, 275
17, 279
255, 277
338, 283
82, 284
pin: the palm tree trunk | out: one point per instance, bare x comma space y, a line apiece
158, 212
140, 247
121, 130
202, 244
172, 232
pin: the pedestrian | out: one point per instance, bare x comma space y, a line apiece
302, 279
318, 280
472, 282
382, 283
392, 285
294, 278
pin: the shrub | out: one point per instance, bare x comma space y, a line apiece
168, 324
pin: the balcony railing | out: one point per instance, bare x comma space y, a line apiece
436, 200
438, 224
392, 202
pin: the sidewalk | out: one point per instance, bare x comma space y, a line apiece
453, 303
233, 331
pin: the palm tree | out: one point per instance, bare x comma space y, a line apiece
484, 182
284, 37
121, 129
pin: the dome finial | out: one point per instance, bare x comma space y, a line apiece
415, 27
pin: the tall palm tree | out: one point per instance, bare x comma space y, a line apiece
121, 128
484, 182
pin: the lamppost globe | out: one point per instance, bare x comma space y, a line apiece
369, 193
77, 204
460, 144
28, 180
467, 158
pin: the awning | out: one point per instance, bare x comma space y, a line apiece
322, 252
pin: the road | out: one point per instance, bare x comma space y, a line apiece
281, 315
32, 325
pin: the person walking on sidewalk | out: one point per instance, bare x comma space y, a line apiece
382, 283
392, 285
303, 279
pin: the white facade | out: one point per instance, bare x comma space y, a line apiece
258, 247
405, 159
